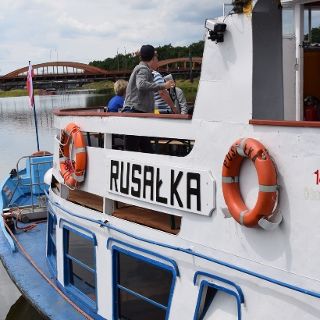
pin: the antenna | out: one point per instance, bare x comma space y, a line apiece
225, 5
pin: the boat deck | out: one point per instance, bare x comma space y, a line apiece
31, 284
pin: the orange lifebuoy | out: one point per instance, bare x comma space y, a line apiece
72, 141
267, 177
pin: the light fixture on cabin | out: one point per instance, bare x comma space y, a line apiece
216, 31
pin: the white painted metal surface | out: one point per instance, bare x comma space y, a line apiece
289, 254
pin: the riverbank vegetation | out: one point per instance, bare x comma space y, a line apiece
128, 61
189, 88
101, 87
15, 93
106, 87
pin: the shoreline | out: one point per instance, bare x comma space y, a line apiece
105, 87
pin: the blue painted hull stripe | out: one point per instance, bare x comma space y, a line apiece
194, 253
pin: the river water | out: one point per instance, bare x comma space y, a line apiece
18, 139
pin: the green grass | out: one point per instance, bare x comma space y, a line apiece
189, 88
101, 86
16, 93
13, 93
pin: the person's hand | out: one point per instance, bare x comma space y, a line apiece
169, 84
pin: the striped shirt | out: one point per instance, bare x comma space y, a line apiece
160, 104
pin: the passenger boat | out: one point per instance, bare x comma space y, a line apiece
221, 221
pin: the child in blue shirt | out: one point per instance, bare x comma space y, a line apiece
115, 104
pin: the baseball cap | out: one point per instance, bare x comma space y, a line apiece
147, 52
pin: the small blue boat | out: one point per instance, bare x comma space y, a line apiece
24, 227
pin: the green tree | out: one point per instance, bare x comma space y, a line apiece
315, 35
130, 60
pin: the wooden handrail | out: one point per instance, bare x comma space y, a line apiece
99, 112
285, 123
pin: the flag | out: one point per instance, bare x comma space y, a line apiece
30, 85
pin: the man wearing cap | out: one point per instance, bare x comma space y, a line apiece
139, 95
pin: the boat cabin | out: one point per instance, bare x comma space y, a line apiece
259, 66
301, 60
278, 76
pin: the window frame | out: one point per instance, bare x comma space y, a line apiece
308, 19
52, 243
115, 275
80, 297
286, 9
237, 293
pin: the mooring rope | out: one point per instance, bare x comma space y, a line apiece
29, 258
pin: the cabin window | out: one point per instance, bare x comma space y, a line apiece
286, 80
311, 59
147, 217
216, 303
141, 295
86, 199
288, 22
218, 298
80, 265
51, 241
267, 76
154, 145
312, 24
94, 139
207, 296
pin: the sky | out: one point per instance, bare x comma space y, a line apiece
87, 30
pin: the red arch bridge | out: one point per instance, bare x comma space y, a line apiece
65, 74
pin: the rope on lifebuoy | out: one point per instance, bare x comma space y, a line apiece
72, 170
267, 176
